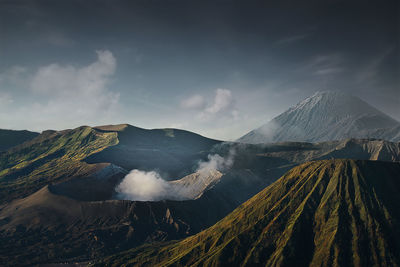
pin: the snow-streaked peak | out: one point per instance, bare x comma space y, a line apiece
326, 115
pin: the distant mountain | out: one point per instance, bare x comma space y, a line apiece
11, 138
327, 116
322, 213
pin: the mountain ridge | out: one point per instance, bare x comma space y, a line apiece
56, 165
327, 116
356, 218
79, 152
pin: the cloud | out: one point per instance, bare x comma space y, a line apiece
323, 65
193, 102
222, 105
68, 96
222, 101
328, 71
77, 95
68, 80
220, 109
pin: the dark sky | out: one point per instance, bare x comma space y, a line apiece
219, 68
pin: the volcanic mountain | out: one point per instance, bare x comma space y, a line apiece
58, 156
57, 191
327, 116
321, 213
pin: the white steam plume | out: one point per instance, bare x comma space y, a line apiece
149, 186
143, 186
216, 162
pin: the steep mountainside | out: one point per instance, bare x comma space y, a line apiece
327, 116
58, 156
11, 138
322, 213
47, 182
58, 202
50, 157
48, 226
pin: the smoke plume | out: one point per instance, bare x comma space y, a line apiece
216, 162
150, 186
143, 186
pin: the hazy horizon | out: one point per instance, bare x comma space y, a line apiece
219, 68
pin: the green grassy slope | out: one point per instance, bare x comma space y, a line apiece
322, 213
11, 138
59, 156
50, 157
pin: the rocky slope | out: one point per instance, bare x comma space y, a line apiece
194, 185
322, 213
327, 116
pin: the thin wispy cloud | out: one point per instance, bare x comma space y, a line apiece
323, 64
369, 72
328, 71
291, 39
